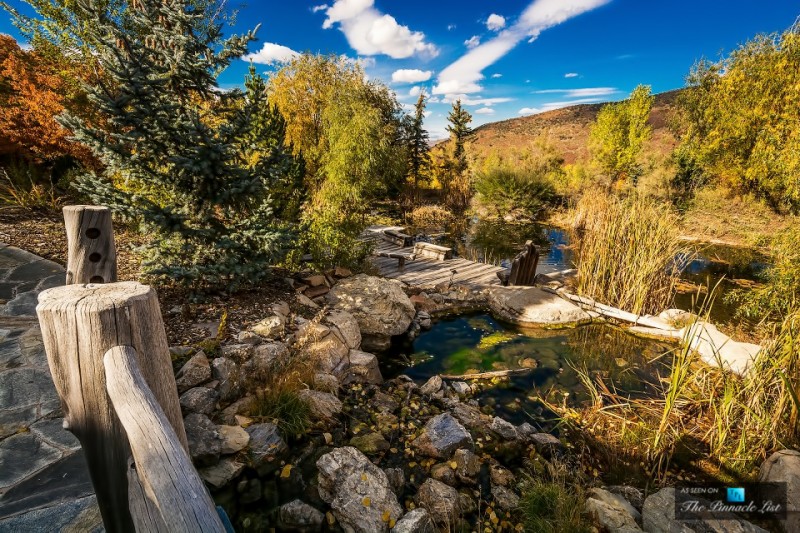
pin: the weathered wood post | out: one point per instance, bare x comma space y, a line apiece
91, 256
108, 354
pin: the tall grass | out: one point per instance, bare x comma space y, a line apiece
627, 251
23, 185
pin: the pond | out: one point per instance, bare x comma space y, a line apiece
497, 242
477, 343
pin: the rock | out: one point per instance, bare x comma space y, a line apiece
677, 316
347, 327
444, 472
470, 416
547, 444
266, 445
300, 517
358, 491
199, 400
416, 521
526, 431
532, 306
631, 494
180, 351
424, 320
265, 357
505, 498
281, 308
242, 406
441, 436
360, 367
380, 306
221, 473
196, 371
316, 292
249, 490
466, 503
317, 280
248, 337
342, 272
233, 439
432, 386
384, 403
461, 388
305, 301
320, 343
440, 500
468, 466
324, 405
397, 479
423, 303
505, 429
612, 512
716, 348
500, 476
238, 352
203, 438
271, 327
370, 443
326, 382
784, 466
227, 372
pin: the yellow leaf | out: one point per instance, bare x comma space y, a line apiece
453, 465
386, 516
365, 502
286, 472
331, 519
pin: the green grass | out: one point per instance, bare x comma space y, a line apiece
552, 507
284, 408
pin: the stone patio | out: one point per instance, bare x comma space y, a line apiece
44, 482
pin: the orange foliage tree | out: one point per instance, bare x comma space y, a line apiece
34, 90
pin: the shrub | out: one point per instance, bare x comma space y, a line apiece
431, 216
510, 192
551, 507
284, 408
627, 251
24, 185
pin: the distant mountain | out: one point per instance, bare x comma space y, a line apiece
568, 129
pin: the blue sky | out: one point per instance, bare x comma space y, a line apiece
506, 58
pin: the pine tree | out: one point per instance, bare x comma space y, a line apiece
457, 188
419, 158
174, 147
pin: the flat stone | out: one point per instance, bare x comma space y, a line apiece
532, 306
81, 515
716, 348
23, 454
53, 432
12, 420
370, 443
233, 439
25, 386
35, 271
222, 473
23, 304
416, 521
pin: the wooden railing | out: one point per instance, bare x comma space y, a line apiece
109, 358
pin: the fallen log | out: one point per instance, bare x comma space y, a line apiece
613, 312
487, 375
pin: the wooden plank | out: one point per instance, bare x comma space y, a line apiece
162, 463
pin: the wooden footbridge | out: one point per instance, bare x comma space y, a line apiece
426, 265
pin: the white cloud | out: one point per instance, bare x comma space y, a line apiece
472, 42
366, 62
411, 75
451, 27
571, 75
464, 74
528, 111
484, 111
271, 53
550, 106
497, 75
415, 90
319, 8
495, 22
466, 100
370, 32
580, 93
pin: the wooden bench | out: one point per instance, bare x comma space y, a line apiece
427, 250
523, 267
398, 238
401, 257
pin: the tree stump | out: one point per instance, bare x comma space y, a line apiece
80, 323
91, 256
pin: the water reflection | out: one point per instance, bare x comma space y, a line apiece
479, 343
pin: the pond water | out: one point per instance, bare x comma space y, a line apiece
477, 343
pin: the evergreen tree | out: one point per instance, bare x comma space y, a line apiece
419, 158
173, 147
457, 187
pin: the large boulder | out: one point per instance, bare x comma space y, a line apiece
716, 348
784, 467
612, 512
346, 326
441, 436
532, 306
358, 492
320, 342
380, 306
441, 501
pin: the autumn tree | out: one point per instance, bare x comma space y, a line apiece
33, 91
619, 133
739, 121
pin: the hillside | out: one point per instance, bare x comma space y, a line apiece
568, 129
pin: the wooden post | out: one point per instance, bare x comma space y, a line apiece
163, 465
80, 323
91, 256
